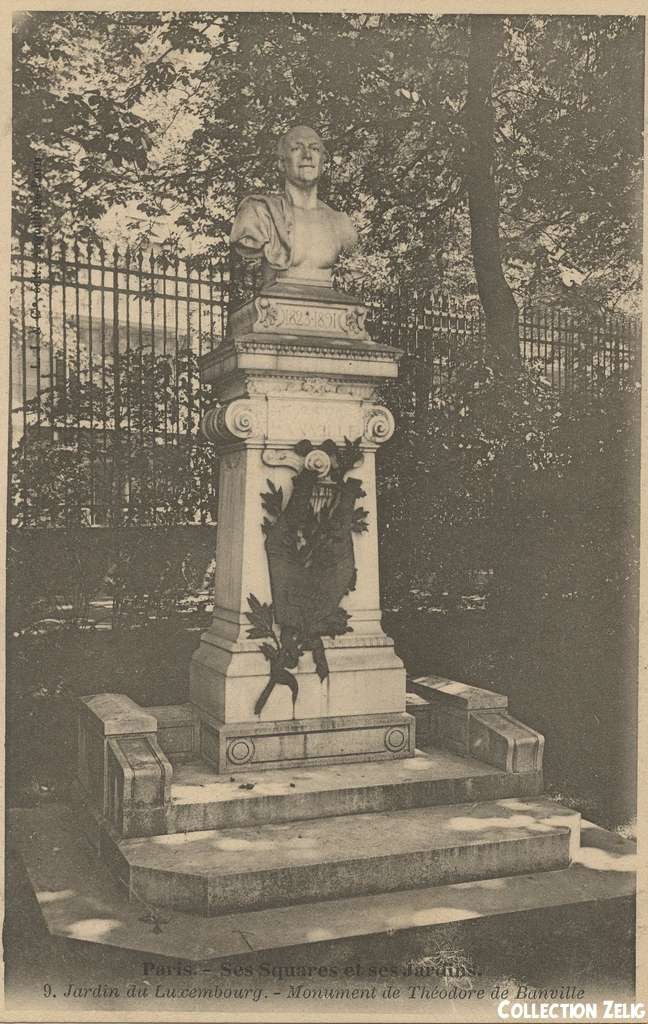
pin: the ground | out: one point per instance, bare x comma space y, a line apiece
587, 947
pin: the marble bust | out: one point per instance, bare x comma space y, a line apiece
296, 235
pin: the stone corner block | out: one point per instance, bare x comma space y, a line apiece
125, 775
115, 714
499, 739
138, 785
473, 722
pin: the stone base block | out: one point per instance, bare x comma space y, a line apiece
123, 772
243, 746
365, 677
473, 722
298, 310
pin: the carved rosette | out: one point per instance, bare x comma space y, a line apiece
240, 750
317, 461
379, 425
354, 320
268, 313
395, 739
235, 421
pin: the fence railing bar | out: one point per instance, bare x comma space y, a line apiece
176, 380
153, 401
188, 333
129, 358
130, 398
70, 265
116, 468
164, 355
92, 436
64, 383
222, 302
210, 286
23, 388
199, 283
36, 347
84, 287
140, 301
51, 336
77, 374
104, 396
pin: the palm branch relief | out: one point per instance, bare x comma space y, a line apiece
309, 547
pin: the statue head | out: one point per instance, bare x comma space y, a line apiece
301, 156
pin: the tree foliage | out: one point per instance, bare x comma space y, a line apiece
178, 114
506, 474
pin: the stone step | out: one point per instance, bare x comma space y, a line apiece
81, 900
225, 870
200, 799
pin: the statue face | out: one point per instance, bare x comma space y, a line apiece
302, 156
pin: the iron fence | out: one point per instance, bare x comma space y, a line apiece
104, 374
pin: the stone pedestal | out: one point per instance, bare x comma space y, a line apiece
295, 367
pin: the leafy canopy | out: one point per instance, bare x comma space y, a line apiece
176, 116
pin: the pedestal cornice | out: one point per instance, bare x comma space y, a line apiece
246, 363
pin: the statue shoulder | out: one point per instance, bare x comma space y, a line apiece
260, 227
345, 227
269, 207
269, 200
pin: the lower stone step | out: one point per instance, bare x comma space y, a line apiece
81, 900
225, 870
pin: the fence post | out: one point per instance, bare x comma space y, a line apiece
117, 454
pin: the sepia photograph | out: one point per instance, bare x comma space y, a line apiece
323, 389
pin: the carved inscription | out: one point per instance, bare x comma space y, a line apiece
275, 315
313, 319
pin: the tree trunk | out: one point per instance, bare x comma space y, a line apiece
486, 40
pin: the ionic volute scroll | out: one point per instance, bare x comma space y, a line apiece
236, 421
379, 424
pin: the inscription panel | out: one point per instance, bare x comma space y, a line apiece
296, 418
276, 315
